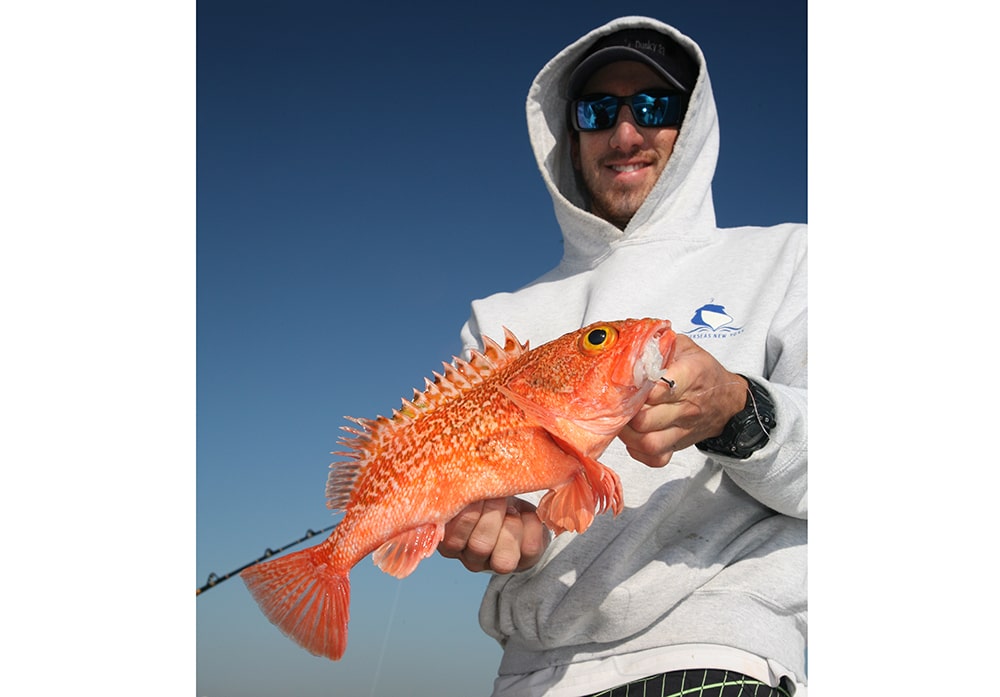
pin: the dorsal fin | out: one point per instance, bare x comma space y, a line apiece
366, 441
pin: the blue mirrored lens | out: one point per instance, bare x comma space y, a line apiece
650, 111
598, 112
595, 114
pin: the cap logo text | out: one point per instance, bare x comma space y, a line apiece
648, 47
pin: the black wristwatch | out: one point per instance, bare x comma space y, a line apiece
749, 430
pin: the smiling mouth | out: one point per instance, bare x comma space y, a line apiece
627, 168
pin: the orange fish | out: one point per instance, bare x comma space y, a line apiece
508, 421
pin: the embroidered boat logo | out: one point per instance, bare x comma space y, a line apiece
713, 322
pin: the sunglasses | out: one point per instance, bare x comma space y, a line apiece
652, 108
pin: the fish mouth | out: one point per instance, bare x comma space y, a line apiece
631, 380
656, 353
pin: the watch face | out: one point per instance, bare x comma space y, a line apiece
749, 430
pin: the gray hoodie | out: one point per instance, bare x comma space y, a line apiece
709, 551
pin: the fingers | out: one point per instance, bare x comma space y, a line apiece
694, 403
535, 536
499, 535
471, 535
653, 449
505, 554
662, 393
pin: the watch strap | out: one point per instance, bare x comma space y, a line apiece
749, 429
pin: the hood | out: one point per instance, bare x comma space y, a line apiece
680, 202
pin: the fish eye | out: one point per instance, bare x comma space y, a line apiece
599, 338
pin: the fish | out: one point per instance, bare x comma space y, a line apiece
508, 420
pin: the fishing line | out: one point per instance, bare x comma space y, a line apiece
385, 639
756, 413
753, 400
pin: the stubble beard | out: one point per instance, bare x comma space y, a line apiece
616, 204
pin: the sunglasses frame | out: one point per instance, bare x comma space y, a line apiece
676, 108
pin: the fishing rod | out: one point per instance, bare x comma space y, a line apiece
214, 580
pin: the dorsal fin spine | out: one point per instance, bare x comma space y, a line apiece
483, 365
367, 437
456, 377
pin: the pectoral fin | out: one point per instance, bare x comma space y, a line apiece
604, 481
606, 425
533, 411
594, 488
570, 506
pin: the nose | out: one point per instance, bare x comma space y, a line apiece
625, 134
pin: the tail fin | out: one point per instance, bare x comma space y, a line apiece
306, 599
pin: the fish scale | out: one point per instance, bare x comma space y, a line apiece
509, 420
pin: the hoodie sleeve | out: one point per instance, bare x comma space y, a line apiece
470, 336
776, 475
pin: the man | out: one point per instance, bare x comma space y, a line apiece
700, 581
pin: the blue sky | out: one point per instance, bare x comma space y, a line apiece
336, 254
362, 175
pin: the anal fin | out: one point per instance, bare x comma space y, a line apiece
400, 556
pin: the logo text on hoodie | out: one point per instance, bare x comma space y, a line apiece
711, 321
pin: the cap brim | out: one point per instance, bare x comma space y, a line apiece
612, 54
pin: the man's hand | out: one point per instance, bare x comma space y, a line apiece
499, 535
704, 397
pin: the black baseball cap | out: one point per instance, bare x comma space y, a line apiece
659, 51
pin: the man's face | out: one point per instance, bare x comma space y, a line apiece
620, 165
